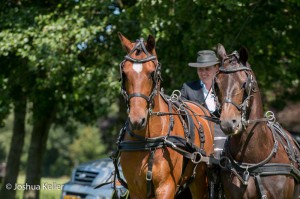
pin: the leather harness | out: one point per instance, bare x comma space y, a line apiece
243, 170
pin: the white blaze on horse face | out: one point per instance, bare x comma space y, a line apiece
137, 67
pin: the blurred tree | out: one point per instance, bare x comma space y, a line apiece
61, 45
87, 146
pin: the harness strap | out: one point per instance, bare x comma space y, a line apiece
171, 119
278, 169
141, 145
138, 95
179, 144
186, 122
200, 129
150, 58
187, 182
240, 166
209, 118
149, 174
115, 158
270, 169
189, 131
262, 191
289, 148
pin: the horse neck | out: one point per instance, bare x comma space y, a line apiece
256, 138
256, 107
158, 125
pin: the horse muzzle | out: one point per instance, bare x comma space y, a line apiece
137, 123
231, 127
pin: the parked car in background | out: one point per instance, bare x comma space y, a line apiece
85, 177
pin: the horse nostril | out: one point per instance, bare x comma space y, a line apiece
143, 121
228, 126
137, 124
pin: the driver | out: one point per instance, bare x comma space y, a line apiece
200, 91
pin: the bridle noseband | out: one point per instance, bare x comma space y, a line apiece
249, 87
140, 46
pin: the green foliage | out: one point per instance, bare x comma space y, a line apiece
57, 44
66, 147
87, 146
64, 151
268, 29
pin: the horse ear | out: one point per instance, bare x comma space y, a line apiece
221, 51
150, 43
127, 45
243, 52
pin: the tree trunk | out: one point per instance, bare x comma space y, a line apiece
43, 118
16, 146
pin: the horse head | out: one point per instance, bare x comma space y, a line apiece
140, 76
234, 85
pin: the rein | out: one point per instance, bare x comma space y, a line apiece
176, 97
209, 118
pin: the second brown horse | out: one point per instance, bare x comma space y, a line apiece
262, 159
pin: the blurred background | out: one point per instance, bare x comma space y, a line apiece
60, 102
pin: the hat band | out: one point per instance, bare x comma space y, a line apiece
207, 60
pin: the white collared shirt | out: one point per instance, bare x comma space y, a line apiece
209, 98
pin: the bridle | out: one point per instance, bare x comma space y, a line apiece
249, 86
156, 77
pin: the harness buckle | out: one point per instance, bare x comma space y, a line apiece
169, 143
264, 197
150, 111
176, 94
224, 162
149, 176
270, 117
196, 157
246, 175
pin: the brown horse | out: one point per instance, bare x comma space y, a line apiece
261, 159
158, 151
